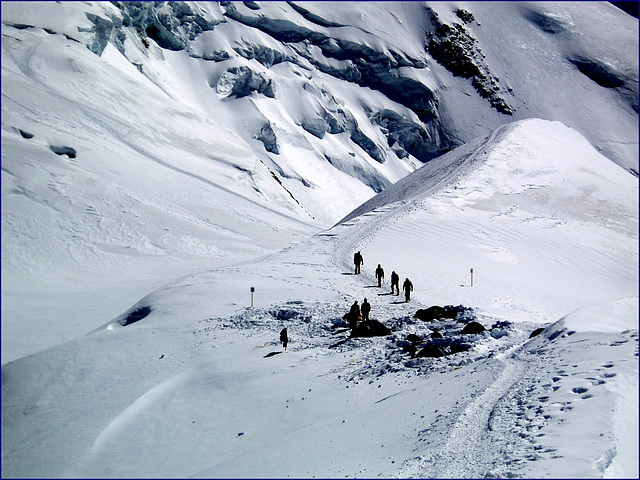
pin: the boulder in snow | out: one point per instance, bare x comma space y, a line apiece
431, 351
473, 328
370, 328
434, 312
536, 332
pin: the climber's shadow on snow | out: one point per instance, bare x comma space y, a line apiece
348, 273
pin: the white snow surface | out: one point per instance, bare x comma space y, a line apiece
157, 202
190, 391
167, 174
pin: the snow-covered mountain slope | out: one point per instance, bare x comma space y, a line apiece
141, 140
186, 378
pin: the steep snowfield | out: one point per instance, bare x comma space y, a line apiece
191, 390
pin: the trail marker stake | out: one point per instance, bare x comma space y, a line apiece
253, 289
471, 271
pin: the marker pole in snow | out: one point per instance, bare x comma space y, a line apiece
471, 271
252, 292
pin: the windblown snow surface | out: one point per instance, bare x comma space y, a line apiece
132, 154
550, 228
139, 207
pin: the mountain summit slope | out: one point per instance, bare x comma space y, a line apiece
192, 377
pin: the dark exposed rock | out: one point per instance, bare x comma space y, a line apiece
24, 134
370, 328
410, 349
434, 312
536, 332
459, 348
135, 316
453, 47
413, 338
431, 351
473, 328
465, 15
68, 151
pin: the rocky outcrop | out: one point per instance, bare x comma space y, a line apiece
370, 328
455, 48
473, 328
436, 312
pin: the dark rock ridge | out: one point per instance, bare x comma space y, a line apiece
436, 312
455, 48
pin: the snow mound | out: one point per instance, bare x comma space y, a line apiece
617, 315
534, 166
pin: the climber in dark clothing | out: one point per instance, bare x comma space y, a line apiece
407, 286
395, 282
284, 338
354, 315
358, 260
379, 274
366, 308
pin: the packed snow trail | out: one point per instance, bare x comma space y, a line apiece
469, 451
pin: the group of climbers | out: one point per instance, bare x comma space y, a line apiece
358, 312
407, 286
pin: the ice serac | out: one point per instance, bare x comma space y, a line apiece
449, 72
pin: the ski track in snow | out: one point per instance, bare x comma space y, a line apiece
468, 451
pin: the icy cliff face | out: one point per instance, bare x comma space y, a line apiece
401, 54
383, 87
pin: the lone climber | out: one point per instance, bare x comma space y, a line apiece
407, 286
395, 282
379, 274
358, 260
366, 308
284, 338
354, 315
